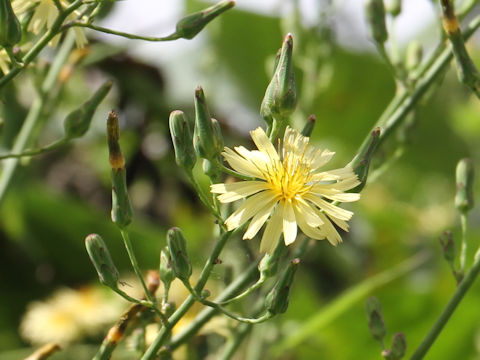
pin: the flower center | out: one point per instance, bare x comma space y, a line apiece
289, 178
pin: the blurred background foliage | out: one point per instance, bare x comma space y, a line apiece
60, 197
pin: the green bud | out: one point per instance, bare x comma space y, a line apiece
121, 209
399, 346
182, 140
394, 7
166, 271
204, 135
448, 246
178, 252
10, 29
363, 159
278, 298
375, 12
375, 319
280, 97
205, 294
78, 121
101, 259
309, 125
218, 137
465, 179
414, 55
191, 25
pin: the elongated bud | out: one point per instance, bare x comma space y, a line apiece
278, 298
465, 179
78, 121
121, 209
414, 55
280, 97
182, 140
44, 352
10, 29
166, 271
375, 12
375, 319
309, 125
204, 137
399, 346
191, 25
361, 161
101, 259
394, 7
178, 252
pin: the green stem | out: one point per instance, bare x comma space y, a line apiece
138, 272
463, 251
462, 289
187, 304
34, 113
173, 36
224, 311
34, 152
40, 44
235, 341
204, 199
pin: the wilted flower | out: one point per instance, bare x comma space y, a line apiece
44, 16
290, 190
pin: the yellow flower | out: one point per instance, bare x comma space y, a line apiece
45, 14
290, 190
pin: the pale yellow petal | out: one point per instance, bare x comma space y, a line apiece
264, 144
240, 164
329, 208
312, 232
258, 220
236, 191
272, 231
308, 214
324, 157
331, 233
334, 194
336, 174
248, 209
289, 224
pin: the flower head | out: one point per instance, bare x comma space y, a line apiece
44, 16
290, 190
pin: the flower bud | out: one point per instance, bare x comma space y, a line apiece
218, 137
414, 55
191, 25
78, 121
399, 346
205, 294
465, 179
375, 12
361, 161
204, 137
121, 209
375, 319
166, 271
182, 140
10, 28
278, 298
448, 246
101, 259
178, 252
309, 125
394, 7
280, 97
